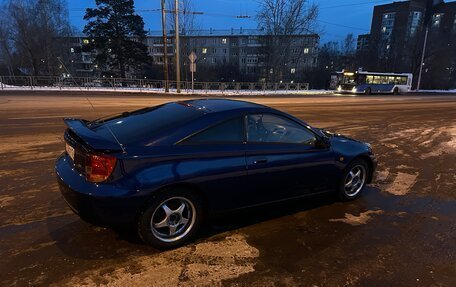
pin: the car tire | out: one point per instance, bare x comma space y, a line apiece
354, 180
368, 91
171, 218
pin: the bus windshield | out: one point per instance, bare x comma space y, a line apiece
349, 79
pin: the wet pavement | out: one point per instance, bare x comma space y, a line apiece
401, 232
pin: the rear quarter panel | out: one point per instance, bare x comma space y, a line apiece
217, 173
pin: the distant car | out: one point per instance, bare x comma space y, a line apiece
164, 169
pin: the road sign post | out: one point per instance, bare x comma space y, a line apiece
193, 58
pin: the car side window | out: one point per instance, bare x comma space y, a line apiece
230, 131
268, 128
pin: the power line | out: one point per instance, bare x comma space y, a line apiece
344, 26
180, 12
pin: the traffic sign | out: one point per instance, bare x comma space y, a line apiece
192, 57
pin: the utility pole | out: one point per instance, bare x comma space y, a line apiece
177, 56
422, 59
165, 47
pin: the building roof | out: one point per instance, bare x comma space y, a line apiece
220, 33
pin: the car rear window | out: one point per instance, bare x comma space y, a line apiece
142, 124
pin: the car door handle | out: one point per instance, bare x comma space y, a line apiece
260, 161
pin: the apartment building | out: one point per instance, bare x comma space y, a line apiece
397, 33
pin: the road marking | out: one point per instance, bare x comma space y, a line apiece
44, 117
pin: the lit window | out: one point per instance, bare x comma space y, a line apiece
109, 50
224, 41
72, 50
204, 50
436, 19
306, 50
293, 70
85, 41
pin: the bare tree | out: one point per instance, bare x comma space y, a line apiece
348, 45
36, 33
281, 19
187, 21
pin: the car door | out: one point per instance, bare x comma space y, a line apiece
285, 159
214, 160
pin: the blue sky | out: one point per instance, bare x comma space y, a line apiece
336, 19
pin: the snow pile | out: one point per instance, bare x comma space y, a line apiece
157, 91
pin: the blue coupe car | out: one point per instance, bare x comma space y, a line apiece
164, 169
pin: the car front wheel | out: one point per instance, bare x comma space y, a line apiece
171, 219
354, 180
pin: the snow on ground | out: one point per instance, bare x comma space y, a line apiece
435, 91
172, 91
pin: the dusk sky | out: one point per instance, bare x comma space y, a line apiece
336, 18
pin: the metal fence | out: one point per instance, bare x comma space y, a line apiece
59, 83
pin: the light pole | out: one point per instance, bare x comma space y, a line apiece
165, 48
422, 59
176, 10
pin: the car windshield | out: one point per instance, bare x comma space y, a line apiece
142, 124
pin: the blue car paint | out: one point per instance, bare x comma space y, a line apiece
226, 176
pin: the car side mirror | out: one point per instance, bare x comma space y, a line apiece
322, 142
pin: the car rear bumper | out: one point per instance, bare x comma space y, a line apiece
101, 204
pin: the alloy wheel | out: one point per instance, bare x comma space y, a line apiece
355, 180
173, 219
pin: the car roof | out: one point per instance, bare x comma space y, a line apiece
220, 105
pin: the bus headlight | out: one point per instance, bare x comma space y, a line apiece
354, 90
339, 88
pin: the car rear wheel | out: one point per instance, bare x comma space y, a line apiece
172, 218
354, 180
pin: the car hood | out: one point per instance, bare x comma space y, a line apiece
344, 142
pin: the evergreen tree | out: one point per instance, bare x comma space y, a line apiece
117, 35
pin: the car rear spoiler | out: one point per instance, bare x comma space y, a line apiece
91, 138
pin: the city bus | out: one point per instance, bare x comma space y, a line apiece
363, 82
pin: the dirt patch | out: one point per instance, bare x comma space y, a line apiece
445, 147
402, 183
204, 264
382, 175
5, 200
26, 142
361, 219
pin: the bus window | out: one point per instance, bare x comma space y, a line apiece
369, 79
401, 81
391, 80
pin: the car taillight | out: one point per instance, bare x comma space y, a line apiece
99, 167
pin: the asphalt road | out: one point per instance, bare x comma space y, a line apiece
401, 232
